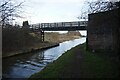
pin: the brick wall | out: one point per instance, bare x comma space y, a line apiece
103, 31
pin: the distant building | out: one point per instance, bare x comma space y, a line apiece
25, 25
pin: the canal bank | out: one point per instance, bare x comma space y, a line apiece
45, 45
18, 41
79, 63
23, 66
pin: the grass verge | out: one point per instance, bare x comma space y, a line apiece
89, 65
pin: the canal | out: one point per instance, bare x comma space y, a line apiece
23, 66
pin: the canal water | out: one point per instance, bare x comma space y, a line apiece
23, 66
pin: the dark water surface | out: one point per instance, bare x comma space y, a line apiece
23, 66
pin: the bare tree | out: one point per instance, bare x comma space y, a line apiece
9, 10
97, 6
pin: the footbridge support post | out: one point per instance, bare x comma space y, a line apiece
42, 35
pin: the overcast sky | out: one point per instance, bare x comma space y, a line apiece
39, 11
46, 11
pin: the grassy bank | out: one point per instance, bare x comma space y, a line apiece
18, 40
79, 63
57, 37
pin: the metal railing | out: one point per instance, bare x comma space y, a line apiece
59, 24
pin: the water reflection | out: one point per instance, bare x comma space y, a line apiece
23, 66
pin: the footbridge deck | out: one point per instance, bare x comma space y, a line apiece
61, 26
